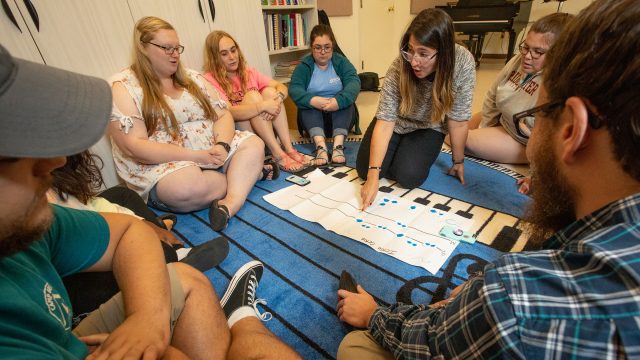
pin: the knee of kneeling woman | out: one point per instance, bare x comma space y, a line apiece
191, 278
411, 180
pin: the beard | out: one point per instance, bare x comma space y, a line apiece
553, 206
19, 233
21, 236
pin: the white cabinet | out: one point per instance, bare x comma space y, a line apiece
193, 20
91, 37
15, 36
283, 52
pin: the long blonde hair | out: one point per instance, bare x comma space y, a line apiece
154, 106
213, 63
432, 28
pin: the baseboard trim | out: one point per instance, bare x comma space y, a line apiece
494, 56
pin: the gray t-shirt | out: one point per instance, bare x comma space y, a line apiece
464, 82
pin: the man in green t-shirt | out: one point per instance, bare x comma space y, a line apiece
162, 310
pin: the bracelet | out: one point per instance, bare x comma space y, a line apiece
457, 162
226, 146
375, 168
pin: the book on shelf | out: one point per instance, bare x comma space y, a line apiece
284, 69
284, 30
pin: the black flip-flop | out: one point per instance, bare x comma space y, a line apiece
218, 216
207, 255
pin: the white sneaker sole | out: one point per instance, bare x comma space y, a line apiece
236, 277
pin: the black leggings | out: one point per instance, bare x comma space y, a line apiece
408, 159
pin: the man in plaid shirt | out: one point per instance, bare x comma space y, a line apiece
579, 296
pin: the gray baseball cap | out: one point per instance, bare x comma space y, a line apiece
49, 112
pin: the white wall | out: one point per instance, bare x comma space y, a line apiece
345, 27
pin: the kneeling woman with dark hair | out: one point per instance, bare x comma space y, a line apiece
426, 94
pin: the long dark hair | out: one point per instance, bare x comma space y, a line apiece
432, 28
79, 177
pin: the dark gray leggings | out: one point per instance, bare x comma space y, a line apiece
408, 159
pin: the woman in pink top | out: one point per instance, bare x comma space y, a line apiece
256, 100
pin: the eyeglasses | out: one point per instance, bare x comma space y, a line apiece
321, 49
595, 121
419, 58
536, 53
169, 49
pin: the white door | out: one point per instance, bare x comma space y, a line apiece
90, 36
378, 43
186, 17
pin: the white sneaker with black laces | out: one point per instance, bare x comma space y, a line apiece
239, 301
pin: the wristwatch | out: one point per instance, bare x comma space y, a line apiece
224, 145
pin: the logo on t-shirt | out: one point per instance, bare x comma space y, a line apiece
57, 307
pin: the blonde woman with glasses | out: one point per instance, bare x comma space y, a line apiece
174, 138
325, 83
426, 94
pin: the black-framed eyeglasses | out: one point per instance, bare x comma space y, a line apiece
536, 53
169, 49
420, 58
595, 121
321, 49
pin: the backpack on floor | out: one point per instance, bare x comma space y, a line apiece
369, 81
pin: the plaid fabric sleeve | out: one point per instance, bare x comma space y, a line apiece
462, 329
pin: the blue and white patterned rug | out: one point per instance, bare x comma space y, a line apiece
303, 261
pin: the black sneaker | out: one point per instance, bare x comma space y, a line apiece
242, 290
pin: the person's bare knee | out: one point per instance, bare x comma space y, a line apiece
252, 144
268, 93
192, 279
251, 97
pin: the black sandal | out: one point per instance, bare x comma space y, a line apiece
338, 151
274, 172
318, 156
218, 216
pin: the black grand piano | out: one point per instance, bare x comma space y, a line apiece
478, 17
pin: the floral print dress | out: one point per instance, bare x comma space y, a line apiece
195, 132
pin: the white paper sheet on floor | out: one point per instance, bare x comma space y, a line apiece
394, 226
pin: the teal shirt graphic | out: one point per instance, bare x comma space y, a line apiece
35, 311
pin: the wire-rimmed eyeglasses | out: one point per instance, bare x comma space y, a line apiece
322, 49
536, 53
420, 58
